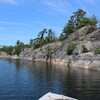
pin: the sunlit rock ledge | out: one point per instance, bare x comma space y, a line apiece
3, 55
83, 55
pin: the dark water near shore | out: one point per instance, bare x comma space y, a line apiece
26, 80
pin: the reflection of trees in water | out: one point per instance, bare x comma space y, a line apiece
82, 84
7, 60
15, 62
78, 83
19, 64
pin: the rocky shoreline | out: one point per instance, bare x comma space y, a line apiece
83, 55
83, 64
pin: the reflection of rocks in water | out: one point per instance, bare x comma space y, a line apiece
82, 82
28, 78
78, 81
71, 81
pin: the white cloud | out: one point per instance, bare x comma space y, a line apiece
16, 23
92, 2
58, 5
17, 2
9, 1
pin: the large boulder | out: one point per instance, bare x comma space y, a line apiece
94, 36
3, 54
81, 33
86, 64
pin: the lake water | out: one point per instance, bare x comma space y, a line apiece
27, 80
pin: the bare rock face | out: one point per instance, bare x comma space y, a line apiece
95, 35
3, 54
82, 56
86, 64
95, 65
81, 33
15, 57
40, 54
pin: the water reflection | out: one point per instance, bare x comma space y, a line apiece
30, 80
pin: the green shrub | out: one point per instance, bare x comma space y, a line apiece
85, 50
97, 51
49, 52
62, 37
91, 30
70, 48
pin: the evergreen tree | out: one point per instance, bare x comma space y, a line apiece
78, 20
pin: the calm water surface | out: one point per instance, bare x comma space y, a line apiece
26, 80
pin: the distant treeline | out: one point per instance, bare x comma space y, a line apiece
76, 21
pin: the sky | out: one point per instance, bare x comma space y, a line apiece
24, 19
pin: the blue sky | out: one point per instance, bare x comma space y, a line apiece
23, 19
